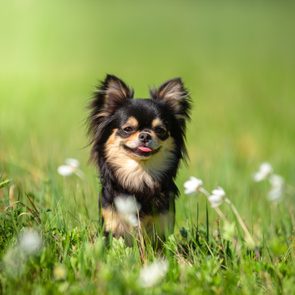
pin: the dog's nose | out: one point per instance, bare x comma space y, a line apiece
145, 137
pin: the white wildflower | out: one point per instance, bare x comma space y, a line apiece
152, 274
277, 187
192, 185
275, 194
65, 170
30, 241
70, 167
276, 180
14, 260
128, 208
264, 171
217, 197
72, 162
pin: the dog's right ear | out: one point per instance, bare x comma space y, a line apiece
111, 94
108, 97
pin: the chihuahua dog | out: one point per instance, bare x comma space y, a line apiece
137, 144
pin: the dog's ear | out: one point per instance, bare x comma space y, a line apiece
111, 94
174, 94
108, 97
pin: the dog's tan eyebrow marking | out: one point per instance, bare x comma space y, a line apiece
131, 122
157, 122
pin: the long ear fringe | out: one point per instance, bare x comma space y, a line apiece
175, 95
108, 96
113, 92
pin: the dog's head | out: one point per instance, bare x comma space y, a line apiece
134, 134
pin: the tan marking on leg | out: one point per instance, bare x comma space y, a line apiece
115, 223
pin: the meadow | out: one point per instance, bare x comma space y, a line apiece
236, 58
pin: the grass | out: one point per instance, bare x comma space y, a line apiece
236, 58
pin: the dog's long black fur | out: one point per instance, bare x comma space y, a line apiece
111, 107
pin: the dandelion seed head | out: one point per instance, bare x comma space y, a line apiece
219, 192
30, 241
275, 194
192, 185
65, 170
15, 258
217, 197
14, 262
277, 188
215, 201
152, 274
276, 180
265, 170
70, 167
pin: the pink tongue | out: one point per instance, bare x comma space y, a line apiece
144, 149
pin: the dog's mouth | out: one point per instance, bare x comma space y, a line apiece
142, 151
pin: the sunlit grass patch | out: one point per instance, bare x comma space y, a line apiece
211, 255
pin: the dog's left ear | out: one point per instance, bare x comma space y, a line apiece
174, 94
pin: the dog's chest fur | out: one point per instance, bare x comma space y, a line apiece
134, 175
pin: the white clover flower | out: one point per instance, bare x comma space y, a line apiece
152, 274
264, 171
217, 197
30, 241
192, 185
128, 207
277, 187
70, 167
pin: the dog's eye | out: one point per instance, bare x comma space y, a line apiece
160, 130
128, 129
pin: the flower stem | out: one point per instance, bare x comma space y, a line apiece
140, 241
204, 191
248, 236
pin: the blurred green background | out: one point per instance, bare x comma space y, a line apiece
236, 58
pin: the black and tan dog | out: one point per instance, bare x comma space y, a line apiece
137, 145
